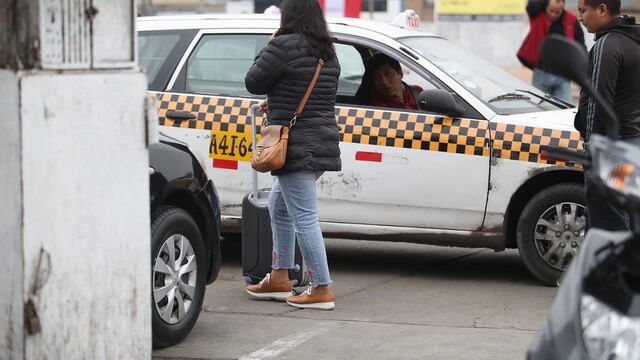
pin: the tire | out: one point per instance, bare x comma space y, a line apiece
171, 226
548, 242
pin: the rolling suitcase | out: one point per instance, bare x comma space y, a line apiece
257, 241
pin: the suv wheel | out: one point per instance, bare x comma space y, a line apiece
178, 275
551, 229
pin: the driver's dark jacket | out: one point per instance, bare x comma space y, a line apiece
614, 66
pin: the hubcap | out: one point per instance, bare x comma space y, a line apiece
175, 273
559, 233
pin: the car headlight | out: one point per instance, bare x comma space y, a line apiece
618, 168
624, 178
607, 334
619, 175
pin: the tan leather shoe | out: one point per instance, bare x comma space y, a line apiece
320, 297
270, 289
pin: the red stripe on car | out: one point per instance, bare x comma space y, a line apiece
368, 156
225, 164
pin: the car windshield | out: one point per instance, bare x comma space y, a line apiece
501, 91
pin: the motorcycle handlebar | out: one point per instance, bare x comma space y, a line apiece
562, 154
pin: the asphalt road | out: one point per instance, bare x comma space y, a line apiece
394, 301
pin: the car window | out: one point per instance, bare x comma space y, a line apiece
351, 69
351, 89
159, 53
414, 79
219, 63
153, 50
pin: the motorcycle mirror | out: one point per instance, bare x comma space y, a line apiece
566, 58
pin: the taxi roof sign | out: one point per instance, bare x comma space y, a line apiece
407, 19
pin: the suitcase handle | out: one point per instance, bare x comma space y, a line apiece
254, 110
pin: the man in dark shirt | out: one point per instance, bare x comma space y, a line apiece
614, 65
383, 83
548, 17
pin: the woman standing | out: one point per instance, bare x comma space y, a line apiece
283, 71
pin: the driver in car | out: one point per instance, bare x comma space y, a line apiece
382, 85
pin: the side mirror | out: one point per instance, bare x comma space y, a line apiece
566, 58
438, 101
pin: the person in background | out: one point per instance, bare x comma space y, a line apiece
614, 65
382, 85
548, 17
283, 71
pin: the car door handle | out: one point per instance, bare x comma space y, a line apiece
180, 115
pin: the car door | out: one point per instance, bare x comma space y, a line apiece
401, 167
207, 106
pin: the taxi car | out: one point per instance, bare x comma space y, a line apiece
464, 170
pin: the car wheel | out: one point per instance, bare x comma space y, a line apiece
177, 275
551, 229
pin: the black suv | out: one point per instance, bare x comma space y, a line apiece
185, 238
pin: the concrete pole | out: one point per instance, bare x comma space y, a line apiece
74, 185
11, 235
11, 274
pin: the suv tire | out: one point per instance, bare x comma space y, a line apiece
173, 229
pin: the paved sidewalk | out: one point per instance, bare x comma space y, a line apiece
394, 301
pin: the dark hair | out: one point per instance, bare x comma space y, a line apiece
306, 17
378, 60
365, 90
612, 5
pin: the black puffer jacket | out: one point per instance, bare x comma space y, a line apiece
283, 71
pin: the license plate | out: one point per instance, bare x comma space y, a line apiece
228, 145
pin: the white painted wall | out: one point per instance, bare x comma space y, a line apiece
11, 339
495, 41
239, 7
86, 203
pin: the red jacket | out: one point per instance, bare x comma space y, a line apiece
528, 52
410, 92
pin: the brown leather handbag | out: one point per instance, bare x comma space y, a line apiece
271, 151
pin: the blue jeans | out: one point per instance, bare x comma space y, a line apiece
603, 213
552, 84
294, 214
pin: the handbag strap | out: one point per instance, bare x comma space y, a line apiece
303, 102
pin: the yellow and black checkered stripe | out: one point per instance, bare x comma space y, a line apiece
523, 143
413, 131
386, 128
212, 113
